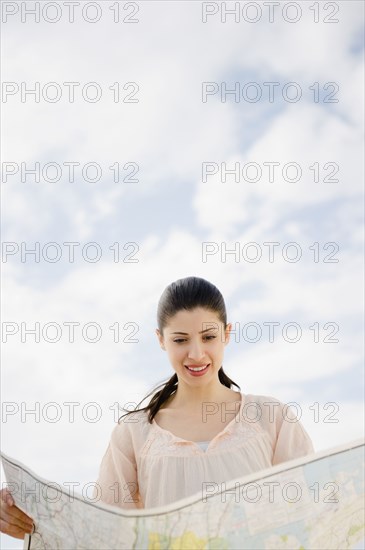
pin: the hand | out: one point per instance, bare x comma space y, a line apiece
13, 521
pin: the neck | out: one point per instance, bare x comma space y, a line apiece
191, 398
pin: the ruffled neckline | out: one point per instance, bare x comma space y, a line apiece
228, 428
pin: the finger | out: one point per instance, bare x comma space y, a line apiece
6, 496
18, 513
13, 510
14, 523
21, 520
13, 530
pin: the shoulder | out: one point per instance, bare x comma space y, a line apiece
131, 425
281, 421
134, 417
129, 434
270, 412
265, 405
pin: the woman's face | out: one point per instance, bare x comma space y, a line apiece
195, 338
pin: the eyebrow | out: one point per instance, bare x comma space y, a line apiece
201, 332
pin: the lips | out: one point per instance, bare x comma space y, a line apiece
194, 368
197, 366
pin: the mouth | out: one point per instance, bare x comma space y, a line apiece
197, 370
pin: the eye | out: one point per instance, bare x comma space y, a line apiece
181, 340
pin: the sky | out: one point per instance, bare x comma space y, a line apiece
224, 132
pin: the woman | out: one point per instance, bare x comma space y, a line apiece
195, 431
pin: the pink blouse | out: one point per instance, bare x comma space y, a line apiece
146, 466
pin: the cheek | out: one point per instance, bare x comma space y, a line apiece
218, 350
175, 351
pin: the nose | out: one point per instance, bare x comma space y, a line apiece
196, 351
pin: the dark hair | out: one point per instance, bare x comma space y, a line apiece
188, 293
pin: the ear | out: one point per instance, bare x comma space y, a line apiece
227, 333
160, 339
